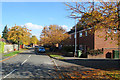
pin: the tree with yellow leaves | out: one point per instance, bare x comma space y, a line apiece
53, 34
34, 40
19, 34
98, 15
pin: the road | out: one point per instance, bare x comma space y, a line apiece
29, 65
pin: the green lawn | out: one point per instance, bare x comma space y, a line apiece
58, 56
55, 55
12, 53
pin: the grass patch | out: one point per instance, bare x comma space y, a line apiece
57, 56
12, 53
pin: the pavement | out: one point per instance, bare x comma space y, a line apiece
27, 65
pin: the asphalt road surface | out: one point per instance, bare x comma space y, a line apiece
29, 65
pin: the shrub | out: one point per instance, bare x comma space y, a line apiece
68, 48
95, 52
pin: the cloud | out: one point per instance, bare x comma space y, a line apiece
33, 26
66, 27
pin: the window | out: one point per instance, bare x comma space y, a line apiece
81, 47
70, 36
109, 30
80, 34
115, 31
85, 33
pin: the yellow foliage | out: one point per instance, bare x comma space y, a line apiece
18, 33
53, 34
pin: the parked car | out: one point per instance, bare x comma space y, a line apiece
36, 48
41, 50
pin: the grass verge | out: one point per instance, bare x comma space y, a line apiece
57, 56
12, 53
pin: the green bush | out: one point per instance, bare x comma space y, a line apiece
68, 48
95, 52
2, 46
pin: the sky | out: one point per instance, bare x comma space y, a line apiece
35, 15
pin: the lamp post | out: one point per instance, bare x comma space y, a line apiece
75, 39
75, 17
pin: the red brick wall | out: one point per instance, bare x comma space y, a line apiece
100, 43
87, 40
100, 56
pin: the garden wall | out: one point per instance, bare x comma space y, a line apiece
99, 56
9, 48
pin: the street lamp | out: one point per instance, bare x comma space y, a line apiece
75, 17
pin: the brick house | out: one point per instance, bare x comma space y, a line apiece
94, 41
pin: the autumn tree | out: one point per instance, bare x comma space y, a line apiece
19, 34
53, 34
34, 40
4, 35
98, 15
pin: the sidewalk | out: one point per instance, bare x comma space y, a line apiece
77, 68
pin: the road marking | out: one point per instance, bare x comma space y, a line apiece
55, 64
29, 56
24, 61
8, 58
10, 73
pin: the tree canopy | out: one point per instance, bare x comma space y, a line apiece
5, 31
53, 34
97, 14
34, 40
18, 33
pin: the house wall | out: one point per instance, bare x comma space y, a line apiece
101, 43
84, 40
87, 40
92, 41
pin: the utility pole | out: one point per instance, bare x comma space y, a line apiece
75, 38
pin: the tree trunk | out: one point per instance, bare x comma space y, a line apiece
18, 45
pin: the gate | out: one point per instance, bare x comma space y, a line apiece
115, 54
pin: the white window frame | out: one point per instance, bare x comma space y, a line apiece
70, 36
80, 34
115, 31
85, 33
109, 30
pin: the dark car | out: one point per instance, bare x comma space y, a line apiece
36, 48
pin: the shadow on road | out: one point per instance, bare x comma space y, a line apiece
29, 70
103, 64
28, 53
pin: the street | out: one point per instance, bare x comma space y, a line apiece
29, 65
